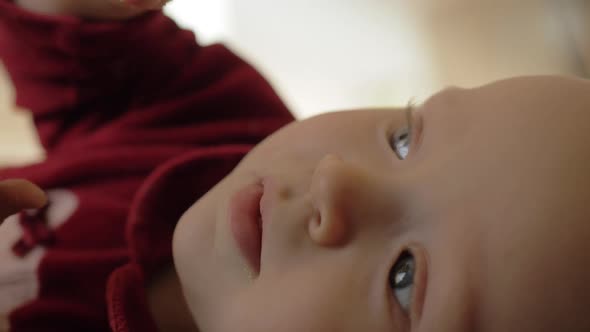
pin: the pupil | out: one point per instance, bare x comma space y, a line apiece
400, 142
400, 277
402, 274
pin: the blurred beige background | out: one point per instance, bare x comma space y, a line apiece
324, 55
18, 142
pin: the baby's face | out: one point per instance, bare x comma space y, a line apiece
484, 225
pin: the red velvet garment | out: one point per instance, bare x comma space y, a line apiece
149, 234
138, 121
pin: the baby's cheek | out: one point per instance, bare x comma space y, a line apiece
285, 319
293, 303
534, 280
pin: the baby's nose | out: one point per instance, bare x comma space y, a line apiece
347, 199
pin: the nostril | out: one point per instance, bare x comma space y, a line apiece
314, 225
316, 219
333, 192
327, 232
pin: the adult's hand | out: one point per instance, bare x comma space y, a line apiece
93, 9
17, 195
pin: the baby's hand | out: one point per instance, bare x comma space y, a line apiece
93, 9
17, 195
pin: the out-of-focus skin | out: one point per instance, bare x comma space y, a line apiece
93, 9
17, 195
492, 202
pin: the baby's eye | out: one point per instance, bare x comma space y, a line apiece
401, 279
400, 142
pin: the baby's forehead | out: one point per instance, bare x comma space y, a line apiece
557, 107
542, 82
565, 96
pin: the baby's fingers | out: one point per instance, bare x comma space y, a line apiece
17, 195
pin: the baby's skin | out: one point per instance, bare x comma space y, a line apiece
17, 195
93, 9
474, 219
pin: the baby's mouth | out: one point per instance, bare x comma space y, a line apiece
246, 223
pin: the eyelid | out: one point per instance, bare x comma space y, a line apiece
420, 281
414, 122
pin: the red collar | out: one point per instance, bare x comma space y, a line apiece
168, 192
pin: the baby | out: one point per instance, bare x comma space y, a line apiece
467, 212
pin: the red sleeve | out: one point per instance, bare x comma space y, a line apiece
85, 79
112, 102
